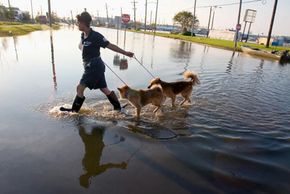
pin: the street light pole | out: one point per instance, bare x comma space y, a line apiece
134, 9
49, 13
32, 18
9, 5
156, 17
194, 13
107, 15
145, 22
239, 17
271, 24
213, 14
209, 18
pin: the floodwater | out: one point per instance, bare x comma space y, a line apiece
233, 138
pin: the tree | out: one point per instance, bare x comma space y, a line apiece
26, 16
185, 19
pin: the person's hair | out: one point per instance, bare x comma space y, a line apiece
85, 18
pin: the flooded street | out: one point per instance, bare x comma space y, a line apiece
234, 137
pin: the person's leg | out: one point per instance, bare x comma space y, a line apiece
78, 101
80, 90
112, 98
106, 91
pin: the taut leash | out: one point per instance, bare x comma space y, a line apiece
116, 75
143, 66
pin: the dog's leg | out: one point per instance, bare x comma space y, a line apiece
186, 96
138, 111
156, 109
184, 100
173, 101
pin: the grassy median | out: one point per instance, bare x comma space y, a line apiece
226, 44
17, 28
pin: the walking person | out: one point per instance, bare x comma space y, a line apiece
94, 68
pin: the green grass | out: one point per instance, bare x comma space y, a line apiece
16, 28
226, 44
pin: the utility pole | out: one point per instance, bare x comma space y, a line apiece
150, 17
213, 15
145, 22
194, 13
107, 14
49, 13
32, 18
248, 32
244, 30
272, 23
238, 23
10, 15
156, 17
72, 18
134, 8
98, 17
209, 18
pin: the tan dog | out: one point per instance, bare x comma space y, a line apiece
172, 89
140, 98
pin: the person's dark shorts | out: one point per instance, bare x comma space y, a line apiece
94, 74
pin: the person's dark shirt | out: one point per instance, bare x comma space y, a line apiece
92, 44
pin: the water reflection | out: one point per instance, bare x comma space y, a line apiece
123, 63
230, 63
94, 146
181, 51
15, 46
52, 61
152, 51
4, 43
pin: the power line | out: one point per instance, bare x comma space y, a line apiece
228, 4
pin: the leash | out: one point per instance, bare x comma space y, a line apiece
116, 74
143, 66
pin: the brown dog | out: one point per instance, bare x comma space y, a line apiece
140, 98
172, 89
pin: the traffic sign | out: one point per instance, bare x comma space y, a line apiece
125, 18
238, 27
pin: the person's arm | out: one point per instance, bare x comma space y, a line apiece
119, 50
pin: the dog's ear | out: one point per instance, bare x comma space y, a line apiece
149, 86
119, 89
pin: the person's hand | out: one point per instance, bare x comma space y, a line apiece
129, 54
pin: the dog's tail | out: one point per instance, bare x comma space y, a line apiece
192, 75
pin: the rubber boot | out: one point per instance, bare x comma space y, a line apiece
77, 104
114, 100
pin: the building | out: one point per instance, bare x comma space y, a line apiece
281, 41
263, 40
41, 19
224, 34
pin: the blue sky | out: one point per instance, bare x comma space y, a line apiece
225, 17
